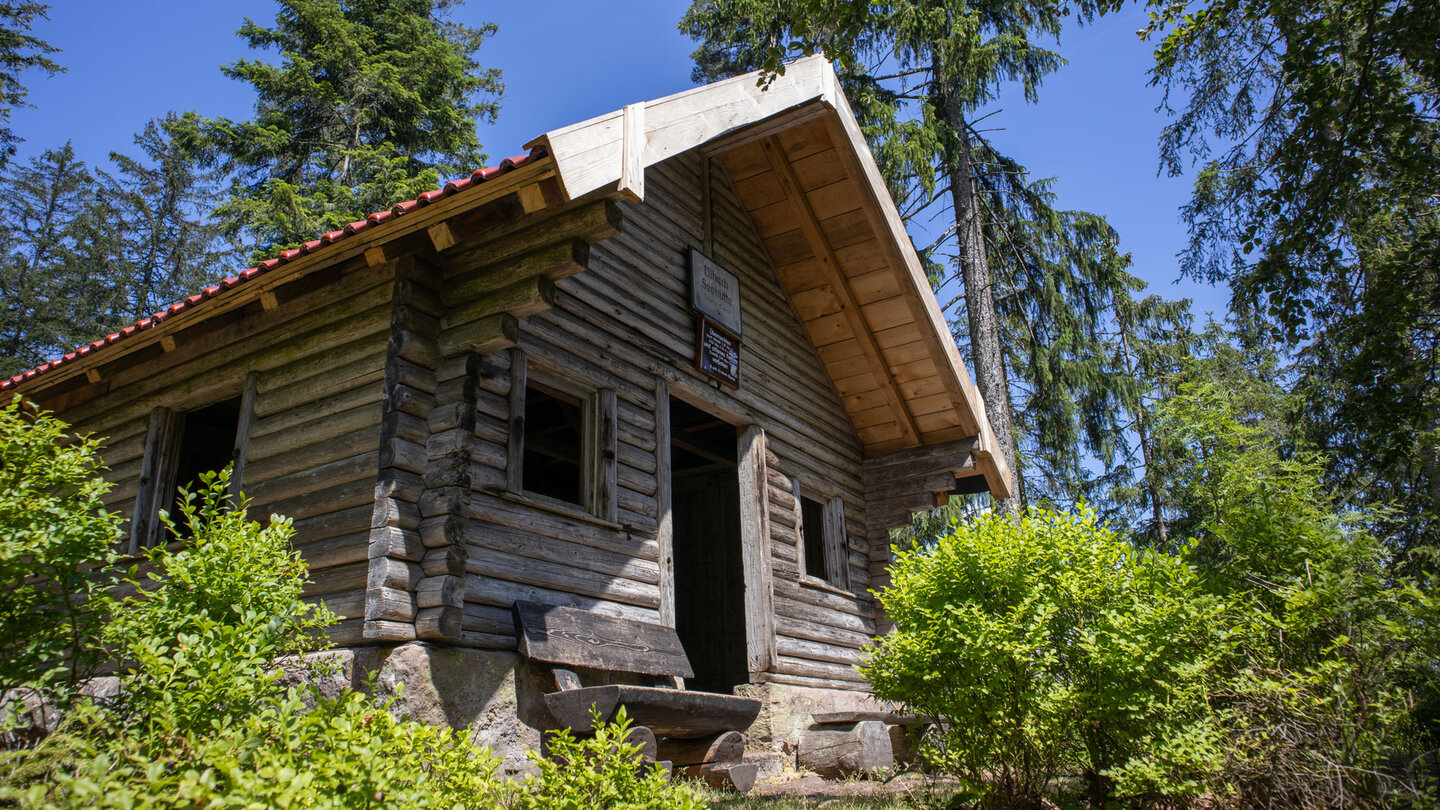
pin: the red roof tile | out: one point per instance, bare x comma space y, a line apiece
378, 218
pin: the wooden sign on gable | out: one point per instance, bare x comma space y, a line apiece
715, 292
717, 353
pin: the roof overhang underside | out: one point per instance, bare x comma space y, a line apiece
804, 172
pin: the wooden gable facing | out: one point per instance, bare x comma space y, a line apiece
806, 177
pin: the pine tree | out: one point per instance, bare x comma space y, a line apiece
370, 102
1040, 285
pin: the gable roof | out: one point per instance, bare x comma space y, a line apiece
803, 171
805, 174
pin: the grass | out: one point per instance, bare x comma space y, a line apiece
838, 796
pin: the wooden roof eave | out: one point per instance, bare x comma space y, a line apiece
422, 219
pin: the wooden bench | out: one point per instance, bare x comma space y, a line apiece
699, 732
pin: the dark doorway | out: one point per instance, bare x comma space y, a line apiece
709, 572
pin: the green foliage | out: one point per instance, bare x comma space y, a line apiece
20, 52
55, 554
229, 602
371, 102
601, 772
1313, 125
1052, 646
202, 717
1335, 649
211, 647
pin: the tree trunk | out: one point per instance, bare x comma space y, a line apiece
1157, 513
986, 352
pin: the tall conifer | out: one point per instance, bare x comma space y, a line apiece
369, 103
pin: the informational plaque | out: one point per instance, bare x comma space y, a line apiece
715, 292
717, 353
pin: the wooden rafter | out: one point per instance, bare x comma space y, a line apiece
830, 270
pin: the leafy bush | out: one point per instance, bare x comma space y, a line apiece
56, 562
1048, 646
202, 717
601, 772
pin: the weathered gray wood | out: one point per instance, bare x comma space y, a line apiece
667, 712
592, 223
889, 718
441, 591
739, 777
439, 623
520, 299
556, 261
665, 529
755, 551
515, 449
727, 746
838, 751
156, 478
565, 679
607, 484
244, 425
560, 635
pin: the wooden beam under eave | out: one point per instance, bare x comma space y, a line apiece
830, 269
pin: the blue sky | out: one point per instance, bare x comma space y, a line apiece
1094, 128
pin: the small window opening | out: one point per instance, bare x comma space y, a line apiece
812, 528
553, 461
207, 444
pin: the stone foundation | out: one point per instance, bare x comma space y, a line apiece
482, 693
785, 711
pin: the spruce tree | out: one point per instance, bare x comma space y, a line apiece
370, 102
156, 210
20, 52
46, 196
1041, 285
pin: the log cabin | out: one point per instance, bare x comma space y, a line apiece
679, 363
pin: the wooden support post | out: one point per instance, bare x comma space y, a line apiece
242, 434
755, 552
665, 530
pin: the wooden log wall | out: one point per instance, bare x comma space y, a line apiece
317, 351
621, 326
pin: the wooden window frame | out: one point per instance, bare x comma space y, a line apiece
833, 542
160, 464
598, 444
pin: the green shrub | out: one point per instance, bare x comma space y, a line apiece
1048, 646
56, 558
602, 772
202, 718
